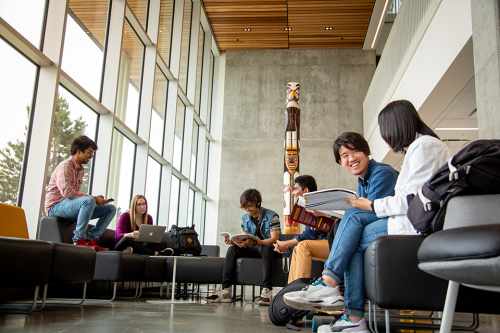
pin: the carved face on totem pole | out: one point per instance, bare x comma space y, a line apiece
292, 94
291, 160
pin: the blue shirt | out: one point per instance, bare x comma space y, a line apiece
379, 181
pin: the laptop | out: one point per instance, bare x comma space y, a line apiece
151, 233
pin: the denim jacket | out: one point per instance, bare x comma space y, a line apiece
248, 226
309, 234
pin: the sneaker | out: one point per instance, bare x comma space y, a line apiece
82, 242
128, 249
345, 325
221, 295
316, 296
265, 297
93, 244
166, 252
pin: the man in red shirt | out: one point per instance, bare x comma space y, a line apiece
64, 199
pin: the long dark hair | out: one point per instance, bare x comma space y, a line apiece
400, 124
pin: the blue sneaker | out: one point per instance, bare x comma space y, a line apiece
318, 295
344, 324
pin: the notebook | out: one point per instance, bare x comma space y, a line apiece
151, 233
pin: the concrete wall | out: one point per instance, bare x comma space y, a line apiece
333, 84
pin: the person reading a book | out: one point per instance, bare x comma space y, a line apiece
404, 132
264, 224
128, 229
310, 243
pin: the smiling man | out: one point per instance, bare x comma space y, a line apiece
375, 181
64, 199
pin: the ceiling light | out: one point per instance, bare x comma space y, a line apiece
329, 28
457, 129
288, 29
379, 23
88, 32
247, 29
161, 31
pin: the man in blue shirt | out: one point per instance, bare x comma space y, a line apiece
311, 243
355, 232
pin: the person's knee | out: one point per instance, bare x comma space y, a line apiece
231, 250
111, 208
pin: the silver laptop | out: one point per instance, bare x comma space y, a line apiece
151, 233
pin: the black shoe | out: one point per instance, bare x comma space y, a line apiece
166, 252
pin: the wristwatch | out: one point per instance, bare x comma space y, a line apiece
372, 204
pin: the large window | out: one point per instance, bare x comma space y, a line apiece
121, 174
174, 201
190, 208
179, 134
158, 113
194, 152
205, 170
199, 69
202, 221
83, 43
186, 31
27, 20
210, 91
16, 96
127, 106
153, 187
72, 118
165, 31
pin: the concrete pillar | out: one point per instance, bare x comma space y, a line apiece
486, 38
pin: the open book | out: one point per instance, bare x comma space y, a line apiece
300, 215
327, 200
240, 237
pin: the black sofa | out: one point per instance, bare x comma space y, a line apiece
113, 266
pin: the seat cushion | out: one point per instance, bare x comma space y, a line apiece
474, 242
71, 263
466, 255
155, 269
118, 266
25, 262
196, 269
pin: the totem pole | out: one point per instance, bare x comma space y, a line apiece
292, 149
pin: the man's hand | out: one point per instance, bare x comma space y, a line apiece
318, 213
228, 241
100, 201
280, 246
361, 203
246, 243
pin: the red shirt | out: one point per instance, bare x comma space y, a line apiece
65, 183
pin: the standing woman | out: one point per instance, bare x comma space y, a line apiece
404, 132
128, 226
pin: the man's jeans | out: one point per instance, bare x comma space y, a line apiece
357, 229
82, 210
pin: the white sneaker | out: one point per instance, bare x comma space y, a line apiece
345, 325
265, 297
221, 295
318, 295
128, 249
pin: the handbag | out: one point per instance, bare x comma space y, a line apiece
185, 240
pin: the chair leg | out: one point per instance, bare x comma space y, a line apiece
449, 307
387, 322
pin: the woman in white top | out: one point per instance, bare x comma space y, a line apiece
404, 132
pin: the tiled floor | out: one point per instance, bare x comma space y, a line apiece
124, 316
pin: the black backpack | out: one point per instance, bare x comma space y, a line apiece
475, 169
280, 313
185, 240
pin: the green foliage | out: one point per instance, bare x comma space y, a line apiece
11, 157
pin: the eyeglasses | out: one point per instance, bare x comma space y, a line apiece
247, 207
141, 204
91, 152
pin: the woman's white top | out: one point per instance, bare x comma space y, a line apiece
424, 157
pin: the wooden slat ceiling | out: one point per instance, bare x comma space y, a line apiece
307, 18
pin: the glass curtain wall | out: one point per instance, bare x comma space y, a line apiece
210, 90
16, 98
92, 47
84, 43
199, 69
186, 33
158, 113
